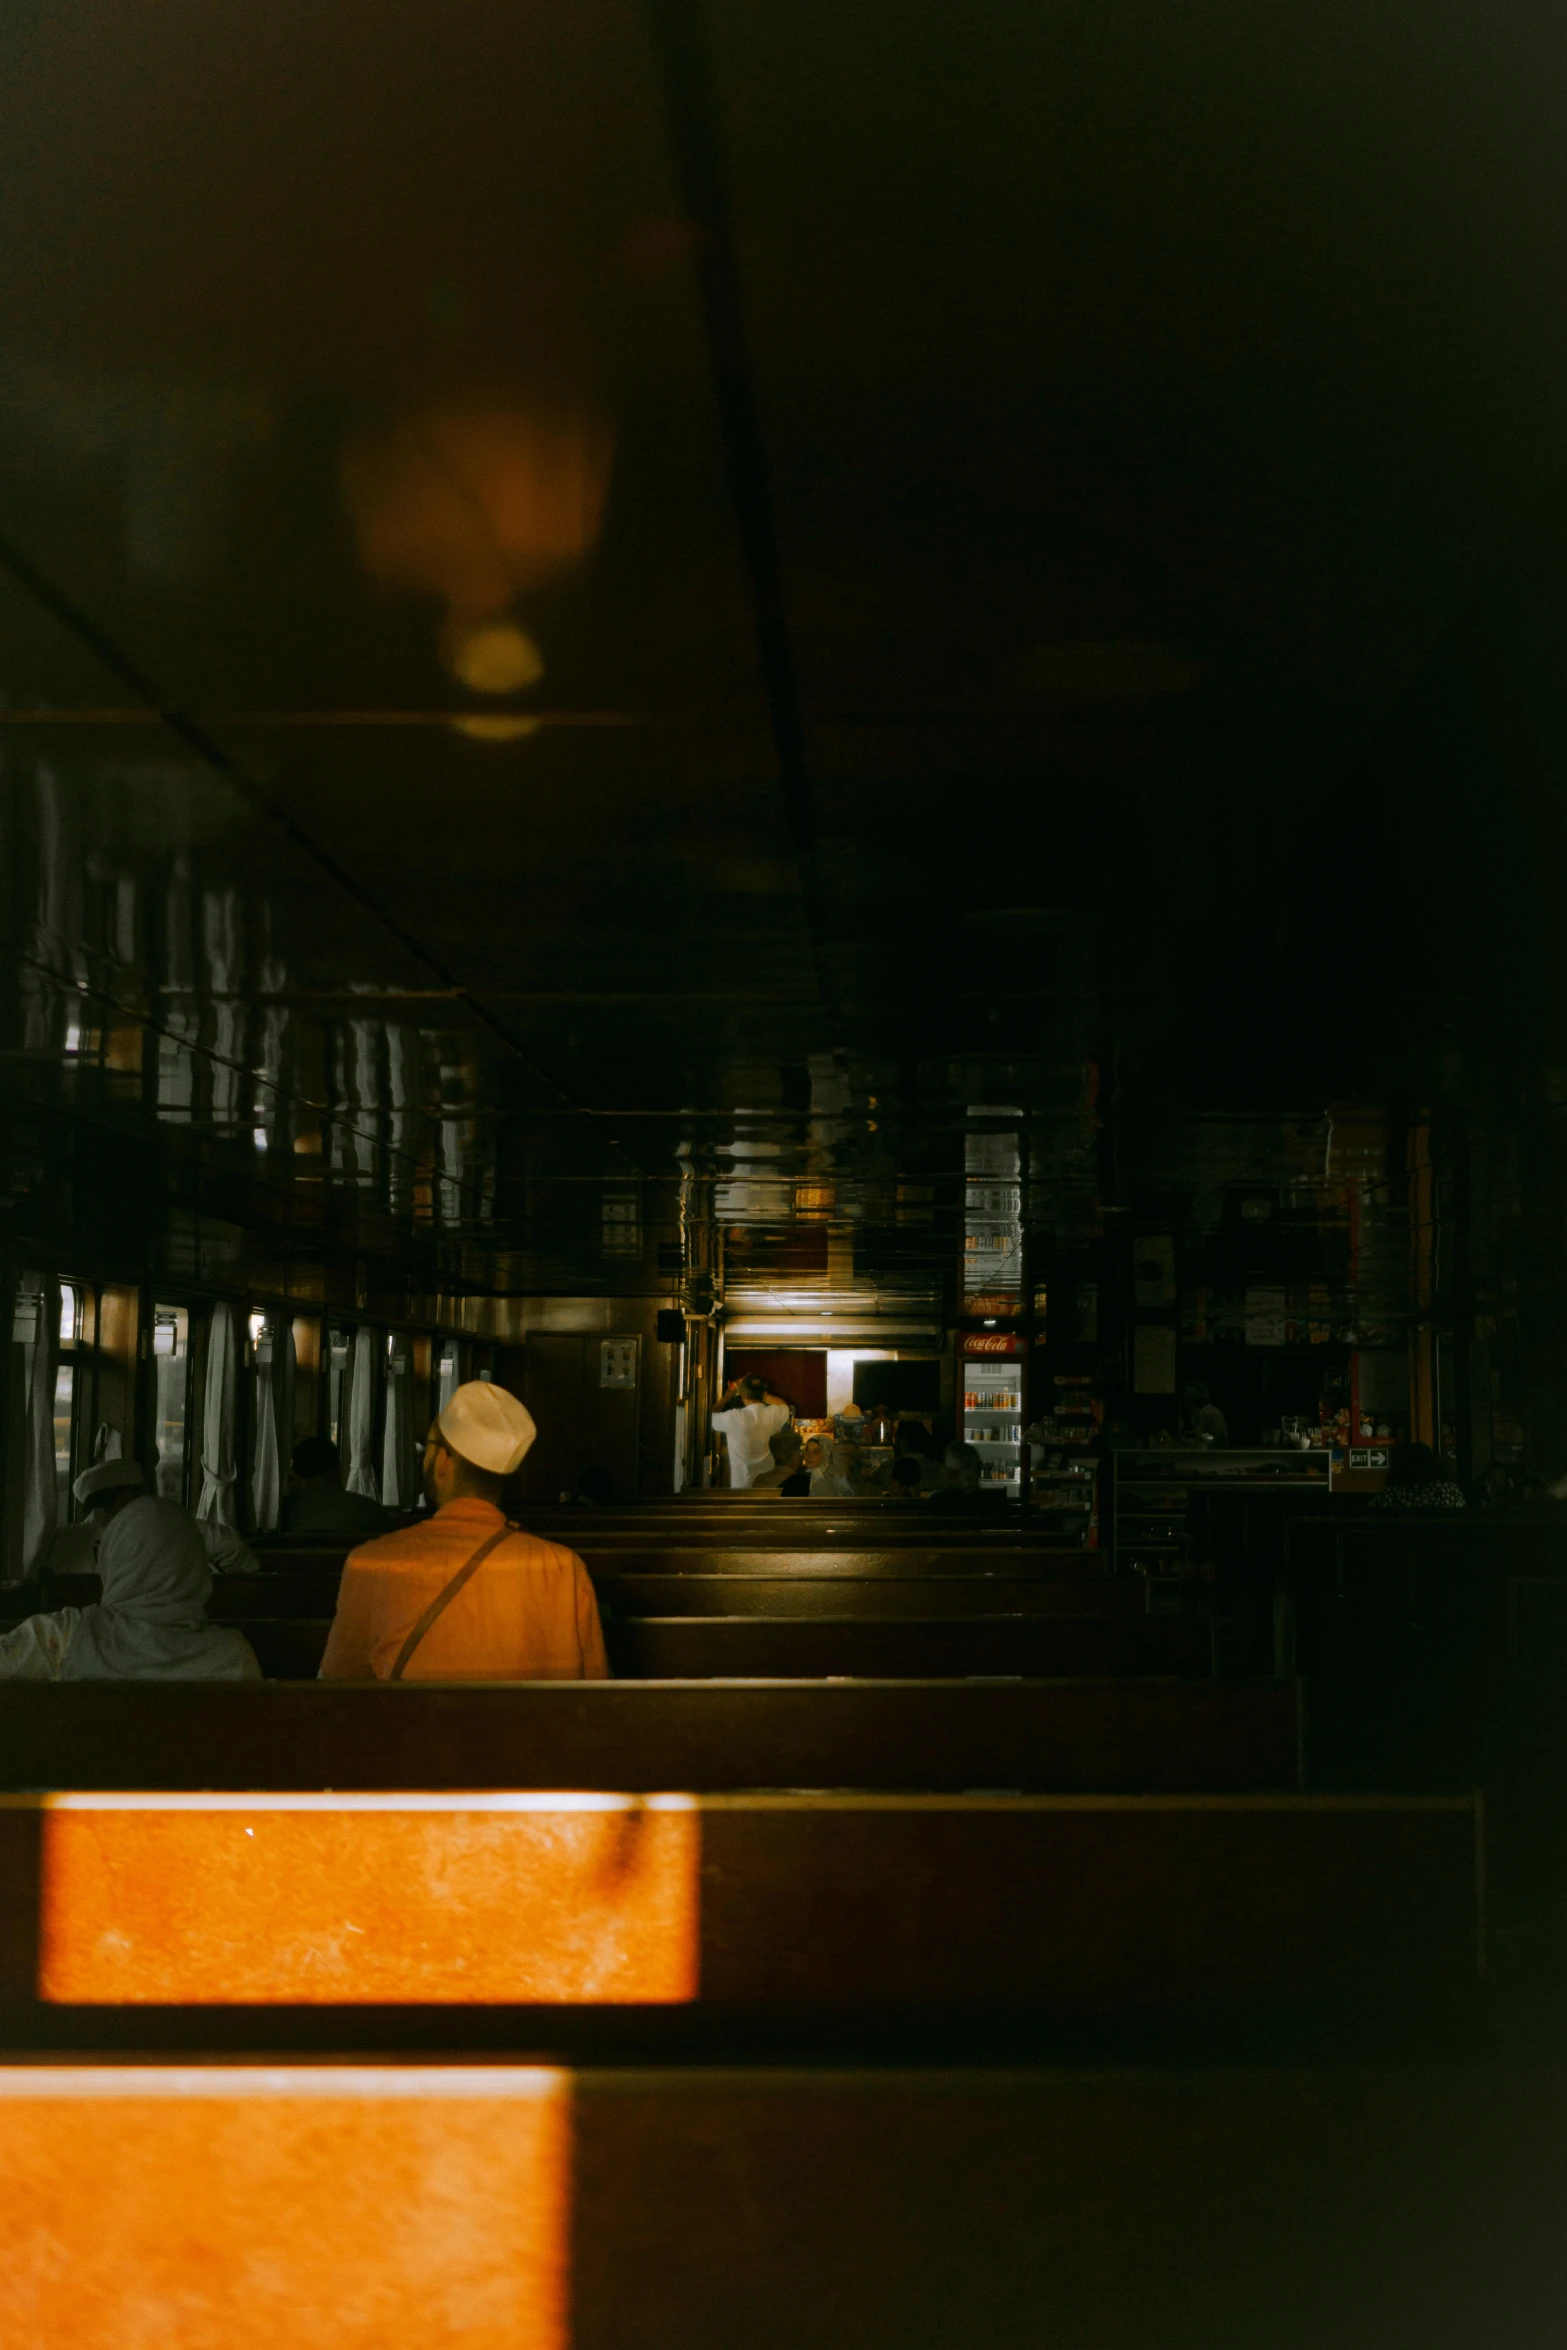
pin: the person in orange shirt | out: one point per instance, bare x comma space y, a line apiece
463, 1595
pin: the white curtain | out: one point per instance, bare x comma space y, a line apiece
219, 1421
266, 1470
397, 1440
361, 1414
40, 1367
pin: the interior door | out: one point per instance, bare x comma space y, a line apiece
583, 1389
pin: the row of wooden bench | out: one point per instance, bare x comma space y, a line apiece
749, 1614
546, 2207
727, 1583
810, 1878
685, 1648
1238, 1915
944, 1736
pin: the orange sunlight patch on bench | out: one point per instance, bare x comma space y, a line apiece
363, 1898
247, 2207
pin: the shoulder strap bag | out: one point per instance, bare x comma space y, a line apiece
444, 1597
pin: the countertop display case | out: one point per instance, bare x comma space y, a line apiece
1064, 1443
1154, 1489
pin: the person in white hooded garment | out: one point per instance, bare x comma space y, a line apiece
840, 1478
151, 1623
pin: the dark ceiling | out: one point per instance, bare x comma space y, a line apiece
1038, 527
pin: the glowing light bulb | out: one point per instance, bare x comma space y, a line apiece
492, 656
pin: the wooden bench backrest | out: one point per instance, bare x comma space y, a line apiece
1089, 1735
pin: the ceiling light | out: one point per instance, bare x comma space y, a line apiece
492, 656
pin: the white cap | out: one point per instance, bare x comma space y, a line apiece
108, 1477
486, 1425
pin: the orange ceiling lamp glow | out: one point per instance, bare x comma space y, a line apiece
478, 505
347, 1899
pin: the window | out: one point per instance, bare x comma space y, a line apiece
340, 1355
622, 1222
261, 1419
64, 1434
67, 1385
399, 1454
171, 1399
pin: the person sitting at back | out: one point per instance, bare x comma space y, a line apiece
109, 1485
840, 1477
316, 1501
1415, 1482
962, 1491
151, 1623
788, 1474
906, 1477
911, 1444
463, 1595
1202, 1422
595, 1488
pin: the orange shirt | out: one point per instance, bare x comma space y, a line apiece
528, 1614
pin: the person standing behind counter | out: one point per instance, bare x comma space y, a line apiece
749, 1415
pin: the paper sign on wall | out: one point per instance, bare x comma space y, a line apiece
1266, 1316
618, 1362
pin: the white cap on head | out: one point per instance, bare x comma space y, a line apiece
96, 1484
486, 1425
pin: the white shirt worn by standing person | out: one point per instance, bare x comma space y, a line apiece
746, 1430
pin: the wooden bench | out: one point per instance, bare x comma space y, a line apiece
805, 1592
1011, 1552
700, 1648
760, 1551
814, 1595
1419, 1633
307, 1584
1072, 1911
620, 1736
350, 2202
